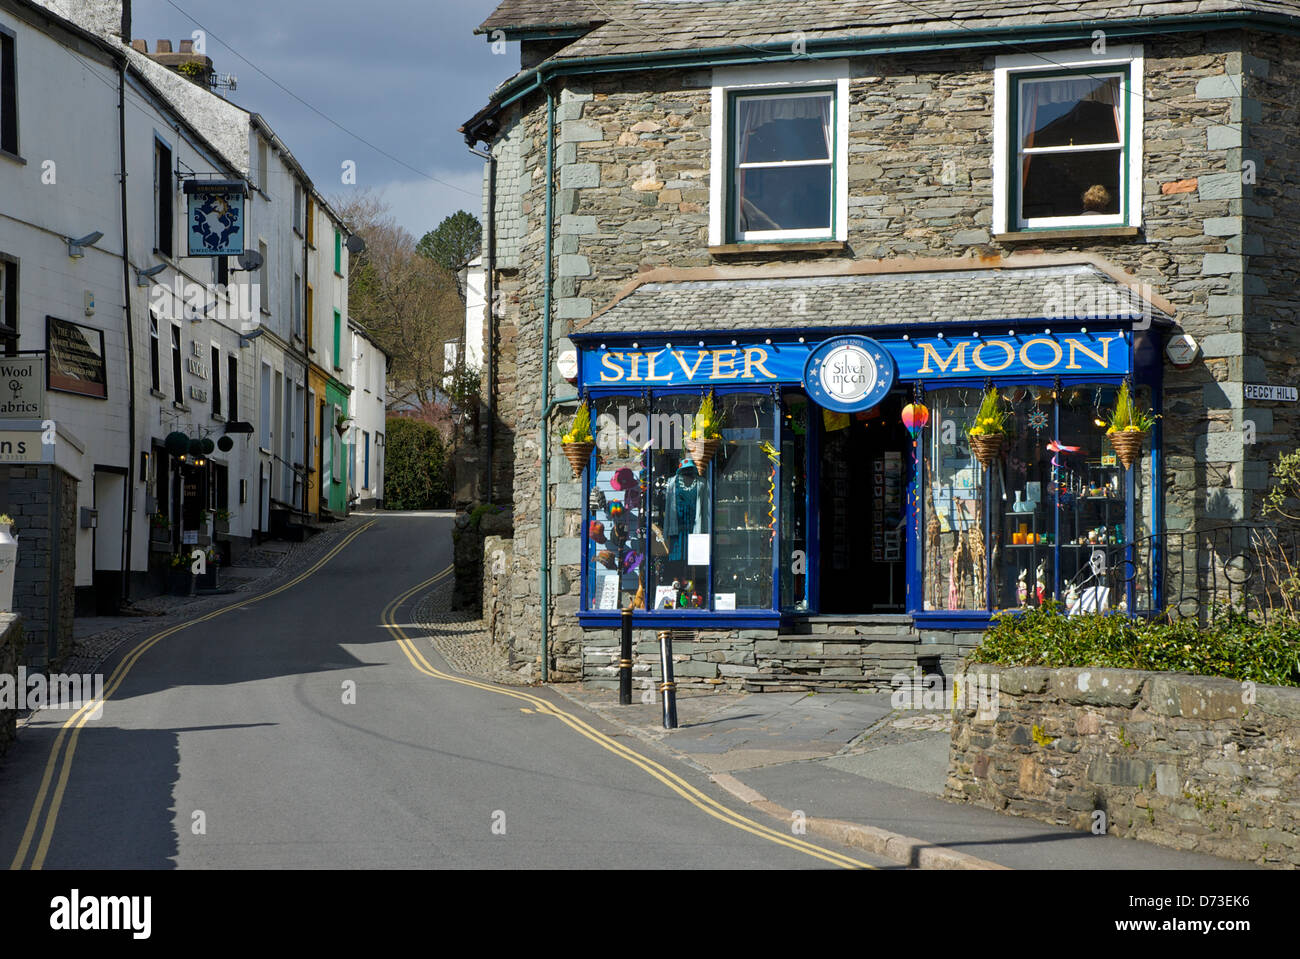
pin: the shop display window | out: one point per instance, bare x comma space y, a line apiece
679, 510
1023, 523
616, 527
745, 478
954, 568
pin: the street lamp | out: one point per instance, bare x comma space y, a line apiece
75, 247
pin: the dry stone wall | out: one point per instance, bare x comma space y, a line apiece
1199, 763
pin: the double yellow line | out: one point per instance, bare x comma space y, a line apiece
80, 717
674, 782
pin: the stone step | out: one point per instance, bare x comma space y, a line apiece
789, 682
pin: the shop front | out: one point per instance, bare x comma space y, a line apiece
844, 483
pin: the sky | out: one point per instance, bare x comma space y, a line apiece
400, 74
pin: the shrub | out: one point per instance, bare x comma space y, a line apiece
415, 466
1233, 645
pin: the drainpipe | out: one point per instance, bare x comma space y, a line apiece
547, 405
130, 333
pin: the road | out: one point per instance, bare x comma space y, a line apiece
316, 727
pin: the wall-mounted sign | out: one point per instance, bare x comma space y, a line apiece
76, 358
22, 387
928, 358
848, 374
1279, 394
215, 217
1182, 350
24, 446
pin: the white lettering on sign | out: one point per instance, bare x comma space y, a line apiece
198, 394
1281, 394
198, 368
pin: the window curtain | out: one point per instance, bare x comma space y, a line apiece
758, 112
1065, 90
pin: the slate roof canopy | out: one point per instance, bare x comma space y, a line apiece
947, 293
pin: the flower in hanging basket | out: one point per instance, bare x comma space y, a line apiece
989, 430
577, 441
706, 435
1127, 426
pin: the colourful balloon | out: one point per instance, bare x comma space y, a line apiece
915, 418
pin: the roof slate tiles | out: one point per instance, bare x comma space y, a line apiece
949, 298
627, 26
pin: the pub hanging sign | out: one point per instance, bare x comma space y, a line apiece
215, 217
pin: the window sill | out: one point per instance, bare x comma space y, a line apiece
780, 246
690, 619
1032, 236
158, 394
265, 312
180, 406
12, 156
218, 418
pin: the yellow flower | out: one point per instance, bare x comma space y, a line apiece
1132, 429
568, 437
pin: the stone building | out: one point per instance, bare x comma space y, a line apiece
821, 213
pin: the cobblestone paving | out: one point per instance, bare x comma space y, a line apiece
261, 568
460, 638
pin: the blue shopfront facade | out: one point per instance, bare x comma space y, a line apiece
817, 506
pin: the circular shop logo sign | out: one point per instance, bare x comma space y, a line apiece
848, 374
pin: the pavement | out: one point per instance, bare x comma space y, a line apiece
851, 767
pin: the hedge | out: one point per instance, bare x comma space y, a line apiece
416, 466
1233, 645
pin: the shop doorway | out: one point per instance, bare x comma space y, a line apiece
865, 468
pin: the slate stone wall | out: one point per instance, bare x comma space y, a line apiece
42, 500
1199, 763
632, 156
827, 656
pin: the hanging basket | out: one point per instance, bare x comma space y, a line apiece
579, 455
987, 448
702, 452
1128, 445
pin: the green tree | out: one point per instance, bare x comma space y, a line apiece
455, 242
415, 466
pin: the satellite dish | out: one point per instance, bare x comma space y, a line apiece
356, 245
250, 260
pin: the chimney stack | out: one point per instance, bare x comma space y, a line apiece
192, 66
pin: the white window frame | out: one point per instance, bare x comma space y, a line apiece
1013, 67
781, 78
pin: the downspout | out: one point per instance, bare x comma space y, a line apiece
547, 406
307, 205
130, 334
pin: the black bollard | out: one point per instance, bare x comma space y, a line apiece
669, 688
625, 662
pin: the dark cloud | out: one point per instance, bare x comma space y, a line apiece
403, 74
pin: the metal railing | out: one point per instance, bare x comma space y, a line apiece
1254, 569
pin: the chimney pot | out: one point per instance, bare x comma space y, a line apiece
163, 46
140, 45
187, 46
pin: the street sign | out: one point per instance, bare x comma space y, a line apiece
1281, 394
22, 387
1182, 350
